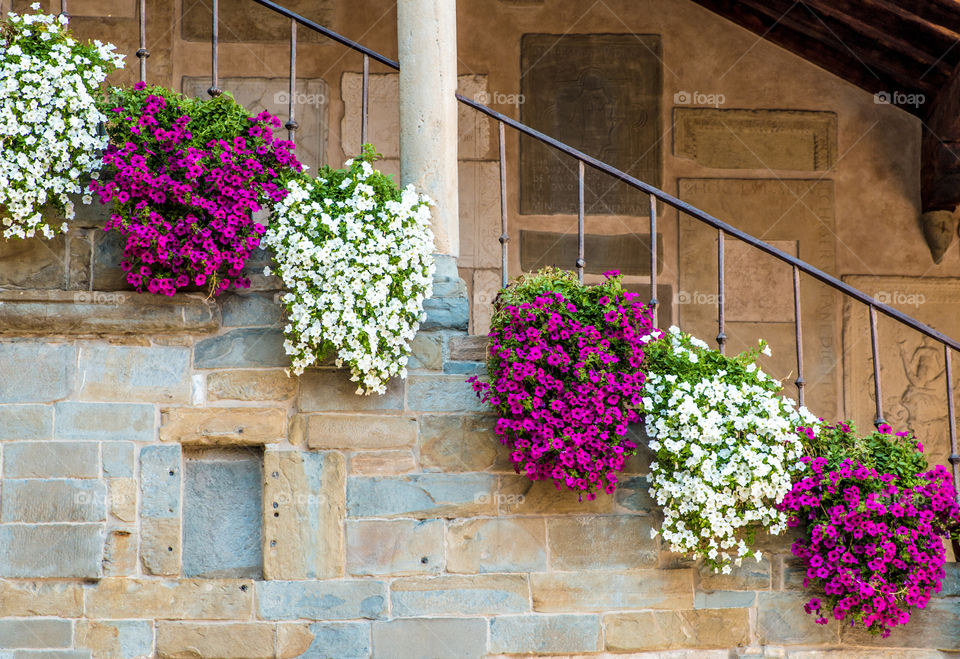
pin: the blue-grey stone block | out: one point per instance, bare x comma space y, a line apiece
322, 600
135, 373
250, 309
105, 421
451, 313
222, 517
545, 633
465, 368
118, 459
425, 495
25, 421
50, 654
425, 638
54, 500
241, 348
134, 638
724, 599
51, 460
44, 371
460, 596
51, 550
343, 640
634, 494
35, 633
441, 393
160, 481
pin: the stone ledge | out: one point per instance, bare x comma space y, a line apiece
33, 312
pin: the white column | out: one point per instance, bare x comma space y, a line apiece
427, 38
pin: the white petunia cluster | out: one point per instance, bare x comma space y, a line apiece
49, 144
358, 268
725, 455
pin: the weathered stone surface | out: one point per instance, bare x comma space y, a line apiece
605, 590
394, 546
107, 256
322, 600
724, 599
80, 248
222, 512
36, 633
479, 196
461, 443
104, 313
441, 393
421, 495
55, 500
633, 495
251, 385
469, 348
40, 598
116, 639
131, 373
756, 139
242, 348
762, 290
206, 599
118, 459
382, 463
431, 637
618, 542
451, 595
160, 482
345, 640
519, 495
50, 460
450, 312
188, 640
751, 575
293, 639
545, 633
26, 422
486, 287
104, 421
355, 431
160, 546
497, 545
599, 93
669, 630
249, 309
51, 550
32, 263
629, 253
47, 371
104, 9
426, 352
327, 390
935, 626
304, 511
223, 426
781, 621
120, 557
240, 23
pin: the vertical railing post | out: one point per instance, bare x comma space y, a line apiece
292, 124
952, 422
581, 262
63, 9
215, 90
653, 259
877, 390
721, 318
365, 99
504, 236
143, 53
798, 322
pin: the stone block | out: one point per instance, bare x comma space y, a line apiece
394, 546
410, 638
517, 544
781, 620
725, 599
243, 24
461, 443
469, 348
486, 287
633, 495
545, 634
80, 248
605, 590
293, 640
120, 553
304, 511
32, 263
441, 393
382, 463
251, 385
751, 575
464, 368
618, 542
151, 374
322, 600
492, 594
118, 459
21, 599
51, 550
629, 252
426, 352
160, 482
205, 599
160, 546
116, 639
674, 630
327, 390
26, 422
51, 460
249, 309
49, 654
355, 431
479, 198
421, 495
242, 348
189, 640
222, 513
105, 421
107, 255
520, 496
36, 633
344, 640
451, 313
934, 626
54, 500
46, 371
223, 426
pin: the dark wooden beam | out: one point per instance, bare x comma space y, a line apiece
939, 12
940, 168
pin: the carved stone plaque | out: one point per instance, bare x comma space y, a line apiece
273, 94
912, 368
756, 139
599, 93
795, 216
242, 21
629, 253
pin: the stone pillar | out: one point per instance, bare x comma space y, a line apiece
427, 37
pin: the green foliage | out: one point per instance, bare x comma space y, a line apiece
888, 453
